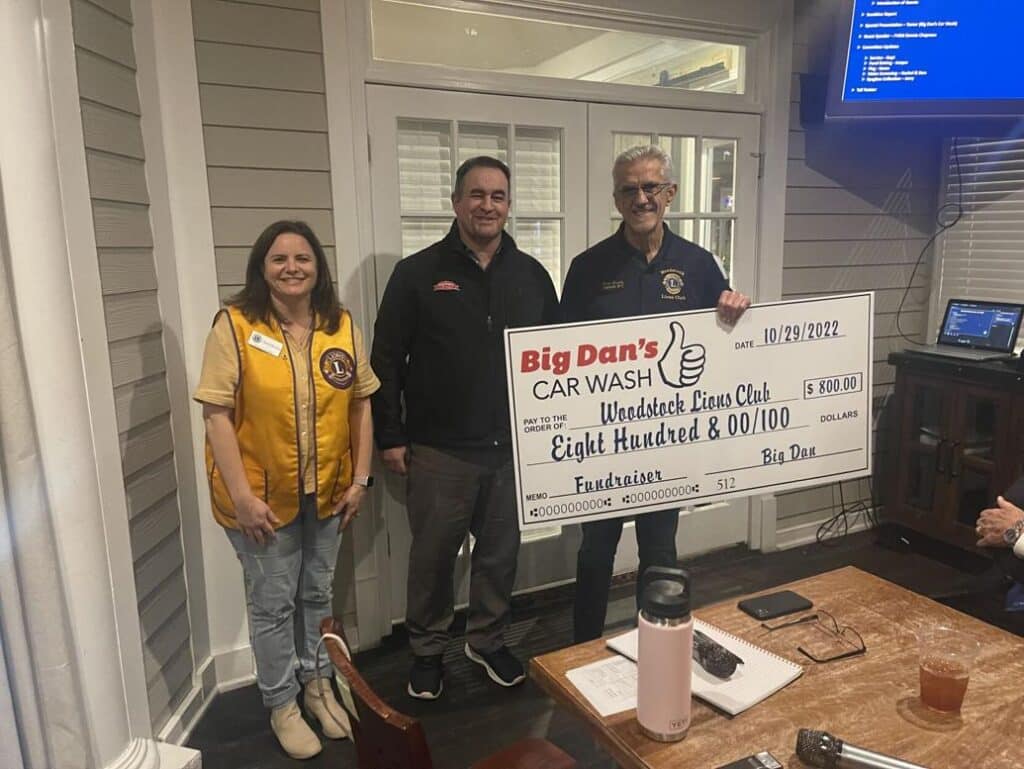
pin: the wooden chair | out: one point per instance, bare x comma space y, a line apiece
387, 739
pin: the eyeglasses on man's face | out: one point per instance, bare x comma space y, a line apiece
828, 623
650, 190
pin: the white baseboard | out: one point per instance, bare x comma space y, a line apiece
806, 533
234, 668
150, 754
221, 673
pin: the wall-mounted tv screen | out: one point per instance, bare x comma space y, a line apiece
927, 58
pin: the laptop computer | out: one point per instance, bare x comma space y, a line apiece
975, 330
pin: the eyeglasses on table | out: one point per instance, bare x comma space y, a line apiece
829, 624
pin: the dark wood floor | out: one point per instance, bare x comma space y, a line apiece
474, 717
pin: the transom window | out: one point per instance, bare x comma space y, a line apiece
419, 33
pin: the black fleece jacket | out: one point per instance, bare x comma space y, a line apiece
439, 345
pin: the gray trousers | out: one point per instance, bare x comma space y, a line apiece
448, 496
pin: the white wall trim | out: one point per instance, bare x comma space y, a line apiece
224, 672
165, 260
778, 63
88, 292
763, 523
191, 232
345, 54
805, 533
150, 754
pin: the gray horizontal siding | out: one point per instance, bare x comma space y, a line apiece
261, 90
115, 162
859, 208
111, 130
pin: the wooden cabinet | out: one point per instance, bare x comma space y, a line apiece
955, 442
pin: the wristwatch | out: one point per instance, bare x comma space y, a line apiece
1012, 534
366, 481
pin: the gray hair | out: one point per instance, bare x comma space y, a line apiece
645, 152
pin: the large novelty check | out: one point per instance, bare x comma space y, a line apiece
620, 417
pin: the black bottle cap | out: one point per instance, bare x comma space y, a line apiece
666, 593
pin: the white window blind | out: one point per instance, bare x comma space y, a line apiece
429, 151
982, 256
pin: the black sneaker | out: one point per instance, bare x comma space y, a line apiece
501, 666
425, 678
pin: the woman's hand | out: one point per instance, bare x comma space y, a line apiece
255, 519
348, 508
994, 521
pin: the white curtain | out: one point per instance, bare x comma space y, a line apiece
41, 722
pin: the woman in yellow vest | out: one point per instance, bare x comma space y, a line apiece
285, 390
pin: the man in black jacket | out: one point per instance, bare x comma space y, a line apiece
438, 349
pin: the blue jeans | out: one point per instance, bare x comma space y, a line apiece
288, 586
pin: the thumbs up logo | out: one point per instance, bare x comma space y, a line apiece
681, 364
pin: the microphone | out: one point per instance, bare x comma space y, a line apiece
822, 750
713, 657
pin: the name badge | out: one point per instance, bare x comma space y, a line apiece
265, 343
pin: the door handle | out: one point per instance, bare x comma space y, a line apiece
954, 454
939, 469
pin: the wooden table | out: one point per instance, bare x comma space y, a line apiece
870, 701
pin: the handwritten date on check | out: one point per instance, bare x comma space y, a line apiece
621, 417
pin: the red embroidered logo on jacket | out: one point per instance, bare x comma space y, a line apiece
446, 285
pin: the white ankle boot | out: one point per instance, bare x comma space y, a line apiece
294, 734
328, 711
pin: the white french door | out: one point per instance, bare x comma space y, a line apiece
417, 139
715, 162
560, 154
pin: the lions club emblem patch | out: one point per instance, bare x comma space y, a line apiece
672, 282
338, 368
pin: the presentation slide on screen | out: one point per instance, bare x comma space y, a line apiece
935, 50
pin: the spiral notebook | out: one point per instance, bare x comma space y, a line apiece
761, 674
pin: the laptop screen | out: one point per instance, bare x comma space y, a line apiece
981, 325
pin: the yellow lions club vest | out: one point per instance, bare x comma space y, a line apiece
267, 424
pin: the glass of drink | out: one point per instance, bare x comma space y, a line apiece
946, 657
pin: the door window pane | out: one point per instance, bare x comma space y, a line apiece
424, 165
428, 154
542, 239
482, 139
718, 190
623, 141
716, 237
421, 33
417, 234
682, 227
682, 150
538, 178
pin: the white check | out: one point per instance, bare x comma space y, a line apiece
620, 417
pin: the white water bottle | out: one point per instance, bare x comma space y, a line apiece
664, 654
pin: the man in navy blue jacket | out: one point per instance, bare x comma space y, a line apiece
642, 269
